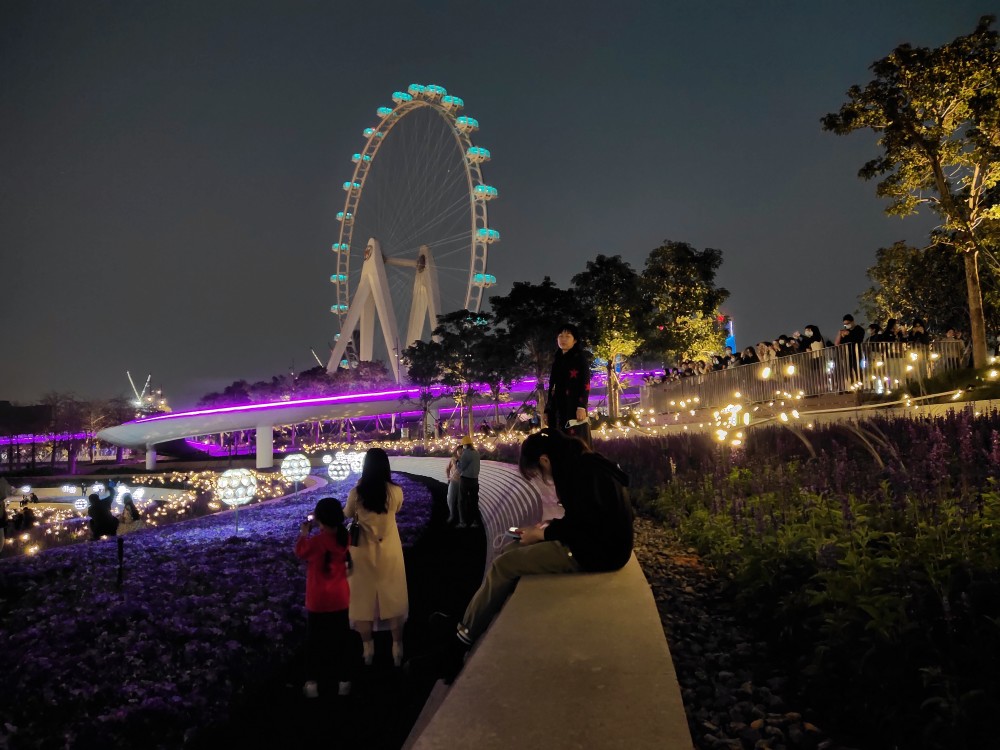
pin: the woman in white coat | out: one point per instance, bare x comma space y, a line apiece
378, 583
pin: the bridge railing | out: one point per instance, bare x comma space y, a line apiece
867, 368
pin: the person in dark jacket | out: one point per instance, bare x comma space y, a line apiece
102, 522
595, 533
569, 382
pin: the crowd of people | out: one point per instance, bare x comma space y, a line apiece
354, 582
810, 338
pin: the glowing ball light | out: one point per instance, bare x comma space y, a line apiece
97, 489
339, 470
327, 458
26, 489
295, 467
354, 460
80, 504
236, 486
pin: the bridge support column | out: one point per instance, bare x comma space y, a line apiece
265, 446
150, 457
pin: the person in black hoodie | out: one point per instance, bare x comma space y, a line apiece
594, 535
569, 382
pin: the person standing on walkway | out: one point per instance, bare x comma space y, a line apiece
468, 471
569, 384
378, 585
328, 631
454, 489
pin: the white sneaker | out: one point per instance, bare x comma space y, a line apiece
310, 690
344, 688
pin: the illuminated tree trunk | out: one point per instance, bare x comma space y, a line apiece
612, 390
976, 318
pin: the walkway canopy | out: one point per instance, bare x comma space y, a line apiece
163, 428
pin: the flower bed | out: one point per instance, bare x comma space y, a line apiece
201, 618
868, 558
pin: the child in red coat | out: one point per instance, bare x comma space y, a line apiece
328, 635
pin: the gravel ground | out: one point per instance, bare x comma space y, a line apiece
733, 698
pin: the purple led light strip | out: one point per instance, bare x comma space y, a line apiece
346, 398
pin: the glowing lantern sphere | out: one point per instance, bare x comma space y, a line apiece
236, 486
327, 458
339, 470
80, 503
295, 467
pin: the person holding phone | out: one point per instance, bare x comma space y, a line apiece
594, 535
328, 631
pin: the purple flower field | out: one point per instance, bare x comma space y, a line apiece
201, 618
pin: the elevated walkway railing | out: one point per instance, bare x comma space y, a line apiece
866, 368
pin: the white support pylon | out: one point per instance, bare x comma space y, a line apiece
426, 301
371, 297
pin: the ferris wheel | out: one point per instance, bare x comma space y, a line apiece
414, 230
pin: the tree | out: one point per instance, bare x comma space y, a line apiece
499, 362
680, 299
459, 337
66, 419
423, 362
531, 313
908, 282
937, 114
609, 291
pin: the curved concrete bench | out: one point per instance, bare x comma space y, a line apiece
572, 661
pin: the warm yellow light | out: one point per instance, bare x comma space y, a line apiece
765, 373
737, 394
784, 417
879, 363
746, 418
790, 370
913, 356
993, 374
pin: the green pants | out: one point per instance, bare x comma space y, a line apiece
517, 561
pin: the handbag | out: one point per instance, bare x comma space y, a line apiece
355, 530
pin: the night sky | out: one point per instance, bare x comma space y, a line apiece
170, 171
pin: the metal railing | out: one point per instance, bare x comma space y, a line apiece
867, 368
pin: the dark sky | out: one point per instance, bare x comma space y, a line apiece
170, 171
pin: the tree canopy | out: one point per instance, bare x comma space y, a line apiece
531, 313
937, 116
910, 282
680, 299
608, 291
